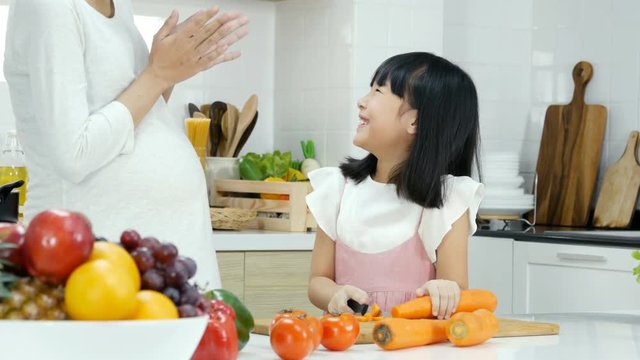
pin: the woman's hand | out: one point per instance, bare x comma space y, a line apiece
338, 302
445, 296
181, 51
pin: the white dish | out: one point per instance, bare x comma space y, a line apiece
97, 340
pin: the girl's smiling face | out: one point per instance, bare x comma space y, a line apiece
387, 123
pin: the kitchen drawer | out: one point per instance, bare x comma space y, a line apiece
550, 278
276, 281
231, 266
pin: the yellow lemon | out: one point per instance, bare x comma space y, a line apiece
99, 290
119, 257
152, 305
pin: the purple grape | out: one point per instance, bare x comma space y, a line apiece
190, 264
143, 258
203, 304
187, 311
152, 280
176, 274
130, 239
173, 294
166, 253
150, 242
189, 295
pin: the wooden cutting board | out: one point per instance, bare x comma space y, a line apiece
620, 188
508, 328
569, 156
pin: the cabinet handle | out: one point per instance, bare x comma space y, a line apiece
581, 257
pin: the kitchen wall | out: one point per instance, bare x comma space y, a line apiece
521, 53
231, 82
603, 32
491, 40
326, 53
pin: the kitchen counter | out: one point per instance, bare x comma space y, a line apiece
582, 336
560, 235
261, 240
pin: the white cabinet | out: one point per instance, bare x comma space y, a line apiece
491, 268
553, 278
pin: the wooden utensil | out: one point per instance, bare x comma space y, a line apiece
205, 108
199, 115
620, 188
192, 109
569, 156
232, 123
508, 328
244, 122
217, 109
245, 135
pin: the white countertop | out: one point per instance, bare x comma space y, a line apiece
261, 240
582, 336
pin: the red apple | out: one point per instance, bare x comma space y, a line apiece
56, 243
12, 233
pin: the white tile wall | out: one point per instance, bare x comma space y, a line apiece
491, 40
316, 97
231, 82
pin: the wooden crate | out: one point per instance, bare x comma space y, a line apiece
243, 193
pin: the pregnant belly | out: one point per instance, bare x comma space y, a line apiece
163, 170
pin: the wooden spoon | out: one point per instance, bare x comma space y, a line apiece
192, 109
246, 117
216, 111
232, 124
245, 135
199, 115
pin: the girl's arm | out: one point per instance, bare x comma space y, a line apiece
324, 293
451, 261
451, 270
322, 286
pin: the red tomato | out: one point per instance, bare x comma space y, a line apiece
291, 339
287, 314
311, 321
316, 330
339, 332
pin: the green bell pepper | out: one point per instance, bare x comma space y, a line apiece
244, 319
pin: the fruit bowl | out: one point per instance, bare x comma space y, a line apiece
71, 340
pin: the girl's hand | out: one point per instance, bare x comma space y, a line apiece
445, 296
181, 51
338, 302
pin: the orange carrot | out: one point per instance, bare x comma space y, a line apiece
472, 328
374, 315
392, 334
470, 300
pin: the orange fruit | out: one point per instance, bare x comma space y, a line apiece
99, 290
152, 305
118, 256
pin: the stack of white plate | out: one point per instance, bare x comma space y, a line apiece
504, 194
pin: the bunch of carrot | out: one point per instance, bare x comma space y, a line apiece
472, 323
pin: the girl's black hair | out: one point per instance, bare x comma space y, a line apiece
447, 136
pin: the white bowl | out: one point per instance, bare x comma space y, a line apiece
97, 340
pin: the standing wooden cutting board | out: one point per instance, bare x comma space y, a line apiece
620, 188
569, 156
508, 328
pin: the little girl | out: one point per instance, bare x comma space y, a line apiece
395, 224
